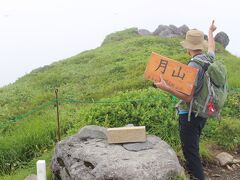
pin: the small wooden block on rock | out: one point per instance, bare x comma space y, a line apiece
126, 134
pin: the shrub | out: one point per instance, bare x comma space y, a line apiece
150, 107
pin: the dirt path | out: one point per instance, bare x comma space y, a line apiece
214, 172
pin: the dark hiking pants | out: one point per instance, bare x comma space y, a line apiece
190, 132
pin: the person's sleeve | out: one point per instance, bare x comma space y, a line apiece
211, 56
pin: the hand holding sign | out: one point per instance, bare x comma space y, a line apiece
162, 84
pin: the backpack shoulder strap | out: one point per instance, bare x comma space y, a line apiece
201, 63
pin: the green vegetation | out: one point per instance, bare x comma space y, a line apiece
110, 73
21, 173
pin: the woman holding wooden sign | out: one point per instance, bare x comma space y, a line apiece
192, 123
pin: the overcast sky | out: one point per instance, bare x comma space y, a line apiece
35, 33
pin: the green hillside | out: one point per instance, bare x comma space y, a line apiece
104, 86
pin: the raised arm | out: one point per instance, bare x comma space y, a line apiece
211, 41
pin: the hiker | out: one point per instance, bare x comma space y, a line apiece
191, 124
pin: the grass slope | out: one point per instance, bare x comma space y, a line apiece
113, 71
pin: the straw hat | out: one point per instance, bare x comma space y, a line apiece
194, 40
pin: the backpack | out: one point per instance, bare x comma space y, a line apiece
209, 101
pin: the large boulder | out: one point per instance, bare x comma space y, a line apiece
183, 29
171, 31
89, 157
166, 31
174, 29
160, 29
222, 38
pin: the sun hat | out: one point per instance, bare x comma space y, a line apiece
194, 40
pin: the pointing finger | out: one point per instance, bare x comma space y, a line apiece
213, 22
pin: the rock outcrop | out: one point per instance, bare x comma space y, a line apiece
88, 156
166, 31
171, 31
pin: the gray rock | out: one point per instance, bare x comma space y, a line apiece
129, 125
236, 161
167, 33
144, 32
138, 146
224, 158
234, 166
31, 177
183, 29
96, 159
171, 31
91, 132
174, 30
222, 38
159, 29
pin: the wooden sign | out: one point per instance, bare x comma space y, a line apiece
126, 134
177, 75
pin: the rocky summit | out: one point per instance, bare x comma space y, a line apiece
174, 31
88, 156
